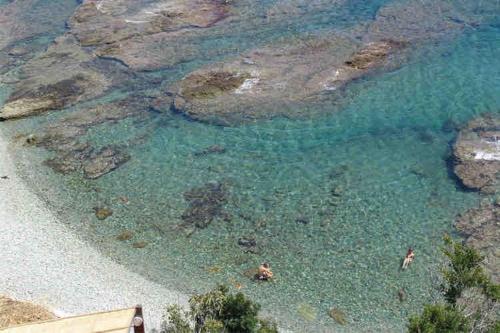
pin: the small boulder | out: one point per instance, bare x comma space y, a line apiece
125, 235
103, 213
247, 242
140, 245
338, 315
104, 161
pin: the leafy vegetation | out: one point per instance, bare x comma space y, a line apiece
463, 270
439, 319
217, 311
471, 297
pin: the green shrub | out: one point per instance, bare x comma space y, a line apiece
208, 306
218, 311
175, 321
463, 271
439, 319
467, 290
239, 314
495, 328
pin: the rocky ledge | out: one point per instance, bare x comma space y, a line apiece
477, 154
139, 35
481, 228
252, 85
55, 79
287, 76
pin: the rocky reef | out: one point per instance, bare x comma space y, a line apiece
55, 79
297, 70
477, 154
477, 164
141, 35
481, 228
66, 138
263, 82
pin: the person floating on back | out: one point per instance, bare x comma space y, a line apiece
408, 259
264, 273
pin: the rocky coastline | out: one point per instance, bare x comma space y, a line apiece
477, 165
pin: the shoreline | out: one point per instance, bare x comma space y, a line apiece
47, 264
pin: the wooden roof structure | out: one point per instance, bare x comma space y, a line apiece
116, 321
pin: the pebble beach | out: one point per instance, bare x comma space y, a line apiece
45, 263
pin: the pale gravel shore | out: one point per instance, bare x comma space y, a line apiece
44, 262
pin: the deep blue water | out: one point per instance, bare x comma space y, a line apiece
384, 151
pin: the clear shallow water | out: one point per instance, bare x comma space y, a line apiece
383, 151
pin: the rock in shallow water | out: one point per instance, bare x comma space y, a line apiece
54, 80
338, 316
103, 213
104, 161
141, 34
125, 235
477, 154
294, 71
206, 203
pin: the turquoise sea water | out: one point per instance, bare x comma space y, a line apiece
332, 200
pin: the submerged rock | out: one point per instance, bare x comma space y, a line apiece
103, 213
477, 154
125, 235
338, 316
481, 228
63, 135
247, 242
215, 149
206, 203
104, 161
140, 245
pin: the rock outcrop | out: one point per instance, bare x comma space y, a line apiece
253, 85
63, 137
284, 78
104, 161
56, 79
481, 228
139, 35
477, 154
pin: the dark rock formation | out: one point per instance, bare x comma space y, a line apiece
125, 235
56, 79
63, 137
481, 228
477, 154
49, 97
206, 203
338, 315
104, 161
103, 213
247, 242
